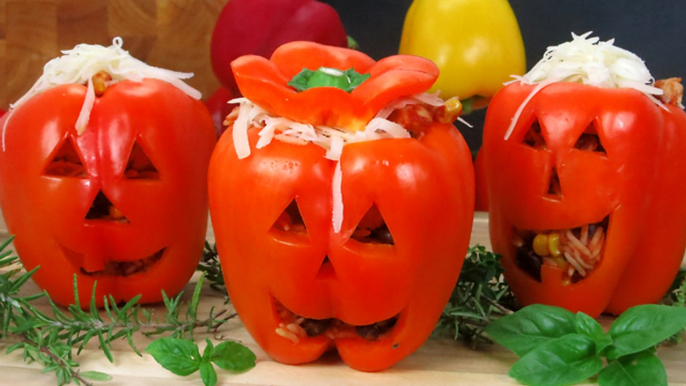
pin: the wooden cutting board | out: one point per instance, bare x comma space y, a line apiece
173, 34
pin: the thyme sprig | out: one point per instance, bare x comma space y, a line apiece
480, 296
209, 264
55, 338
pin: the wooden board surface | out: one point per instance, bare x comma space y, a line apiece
173, 34
438, 362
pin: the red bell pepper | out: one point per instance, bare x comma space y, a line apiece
260, 26
584, 161
124, 203
375, 288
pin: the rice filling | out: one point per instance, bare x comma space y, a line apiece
575, 251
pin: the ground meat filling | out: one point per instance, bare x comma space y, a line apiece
295, 327
126, 268
417, 118
575, 251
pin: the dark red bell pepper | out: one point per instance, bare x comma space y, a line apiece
258, 27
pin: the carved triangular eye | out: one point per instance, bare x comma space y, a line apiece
534, 138
139, 165
554, 188
103, 209
66, 162
290, 220
589, 140
373, 229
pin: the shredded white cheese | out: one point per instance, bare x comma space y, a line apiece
589, 61
332, 139
337, 215
81, 63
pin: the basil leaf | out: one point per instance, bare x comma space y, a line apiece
96, 376
208, 374
346, 80
355, 78
563, 361
299, 81
179, 356
233, 356
639, 369
207, 353
531, 327
641, 327
585, 325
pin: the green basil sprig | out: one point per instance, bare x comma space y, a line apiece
557, 347
182, 357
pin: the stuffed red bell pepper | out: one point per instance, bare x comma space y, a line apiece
102, 177
583, 159
342, 203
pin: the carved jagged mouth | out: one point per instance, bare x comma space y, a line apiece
116, 268
575, 251
295, 327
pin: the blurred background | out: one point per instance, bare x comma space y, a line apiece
176, 33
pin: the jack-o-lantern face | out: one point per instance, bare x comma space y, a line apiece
123, 204
374, 290
582, 195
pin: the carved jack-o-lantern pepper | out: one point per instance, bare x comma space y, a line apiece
348, 230
586, 182
106, 181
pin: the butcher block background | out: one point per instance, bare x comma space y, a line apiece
173, 34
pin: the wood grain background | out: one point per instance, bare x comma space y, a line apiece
173, 34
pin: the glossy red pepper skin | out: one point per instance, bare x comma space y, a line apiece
415, 185
47, 213
423, 188
638, 182
258, 27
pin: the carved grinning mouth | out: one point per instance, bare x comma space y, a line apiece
575, 251
115, 268
295, 327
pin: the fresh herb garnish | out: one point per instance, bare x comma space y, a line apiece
183, 358
210, 265
50, 338
346, 80
481, 295
558, 347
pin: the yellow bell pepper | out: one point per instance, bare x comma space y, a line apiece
475, 43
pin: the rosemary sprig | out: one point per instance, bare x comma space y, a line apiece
49, 338
481, 295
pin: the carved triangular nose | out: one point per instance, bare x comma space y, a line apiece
326, 270
554, 188
103, 209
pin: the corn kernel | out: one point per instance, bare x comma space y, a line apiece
554, 244
115, 213
540, 245
449, 111
100, 82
